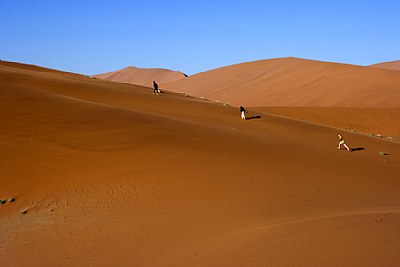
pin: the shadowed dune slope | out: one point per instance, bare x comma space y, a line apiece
391, 65
141, 76
108, 174
295, 82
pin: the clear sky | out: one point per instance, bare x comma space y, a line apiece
91, 37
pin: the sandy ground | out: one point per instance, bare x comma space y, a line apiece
109, 174
382, 122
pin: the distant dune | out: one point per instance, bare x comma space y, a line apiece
391, 65
295, 82
98, 173
142, 76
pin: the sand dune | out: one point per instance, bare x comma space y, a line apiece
141, 76
109, 174
295, 82
391, 65
382, 122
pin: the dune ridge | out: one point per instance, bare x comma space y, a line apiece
295, 82
390, 65
382, 122
109, 174
141, 76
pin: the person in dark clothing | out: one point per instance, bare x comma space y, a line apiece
243, 112
155, 86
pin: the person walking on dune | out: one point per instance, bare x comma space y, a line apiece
155, 88
342, 142
243, 112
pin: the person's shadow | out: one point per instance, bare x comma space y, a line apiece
253, 117
357, 149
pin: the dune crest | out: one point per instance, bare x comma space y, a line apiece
295, 82
141, 76
391, 65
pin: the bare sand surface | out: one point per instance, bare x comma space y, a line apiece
107, 174
290, 82
142, 76
391, 65
382, 122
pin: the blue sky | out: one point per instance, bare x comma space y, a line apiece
91, 37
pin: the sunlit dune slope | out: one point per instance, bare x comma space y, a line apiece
391, 65
142, 76
295, 82
373, 121
109, 174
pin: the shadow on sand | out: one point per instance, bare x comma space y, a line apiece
357, 149
253, 117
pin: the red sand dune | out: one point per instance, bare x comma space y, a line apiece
110, 174
391, 65
364, 99
141, 76
295, 82
382, 122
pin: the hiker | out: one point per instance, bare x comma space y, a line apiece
155, 86
342, 142
243, 111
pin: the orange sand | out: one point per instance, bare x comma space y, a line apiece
109, 174
141, 76
290, 82
374, 121
391, 65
